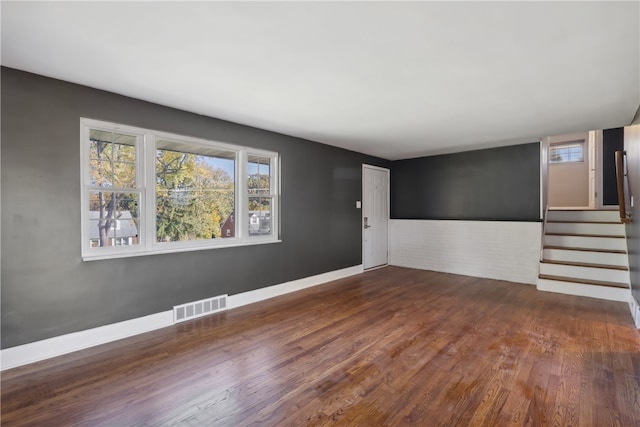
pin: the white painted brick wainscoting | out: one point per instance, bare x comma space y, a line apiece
502, 250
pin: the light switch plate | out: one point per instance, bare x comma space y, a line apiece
358, 204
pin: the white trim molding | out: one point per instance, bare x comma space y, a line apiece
261, 294
63, 344
57, 346
635, 310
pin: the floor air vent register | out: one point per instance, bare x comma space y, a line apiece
193, 310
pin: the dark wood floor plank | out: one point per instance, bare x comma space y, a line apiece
393, 346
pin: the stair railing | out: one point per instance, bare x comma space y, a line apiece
544, 226
622, 180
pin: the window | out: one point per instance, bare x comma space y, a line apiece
121, 241
261, 194
150, 192
196, 185
567, 152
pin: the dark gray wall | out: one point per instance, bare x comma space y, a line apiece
47, 290
612, 141
493, 184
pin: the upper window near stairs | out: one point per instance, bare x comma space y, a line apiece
567, 152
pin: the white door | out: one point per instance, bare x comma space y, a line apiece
375, 215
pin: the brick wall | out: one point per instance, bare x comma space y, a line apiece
500, 250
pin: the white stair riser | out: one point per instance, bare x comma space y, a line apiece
586, 242
602, 292
583, 216
584, 256
585, 228
588, 273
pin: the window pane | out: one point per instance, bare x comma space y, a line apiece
575, 154
112, 159
113, 215
259, 179
260, 216
195, 192
572, 152
193, 198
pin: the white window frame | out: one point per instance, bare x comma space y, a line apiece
274, 191
567, 145
145, 186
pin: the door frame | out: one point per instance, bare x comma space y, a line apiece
388, 173
600, 168
593, 169
595, 191
544, 176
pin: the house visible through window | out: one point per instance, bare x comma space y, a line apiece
260, 195
113, 193
146, 192
567, 152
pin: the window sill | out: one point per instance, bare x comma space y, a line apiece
96, 257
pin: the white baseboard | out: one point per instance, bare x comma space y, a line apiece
40, 350
68, 343
250, 297
635, 311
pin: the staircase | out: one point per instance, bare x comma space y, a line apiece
585, 253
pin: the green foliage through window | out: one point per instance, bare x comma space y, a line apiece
193, 197
146, 191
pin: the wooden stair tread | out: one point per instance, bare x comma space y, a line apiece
585, 235
584, 281
585, 264
584, 222
582, 210
571, 248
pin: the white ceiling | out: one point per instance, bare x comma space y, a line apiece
395, 80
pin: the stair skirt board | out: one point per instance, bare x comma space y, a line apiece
617, 259
581, 289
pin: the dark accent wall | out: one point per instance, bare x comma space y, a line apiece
492, 184
47, 290
612, 141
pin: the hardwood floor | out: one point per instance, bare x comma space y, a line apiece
392, 346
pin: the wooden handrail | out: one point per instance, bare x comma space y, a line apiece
621, 180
